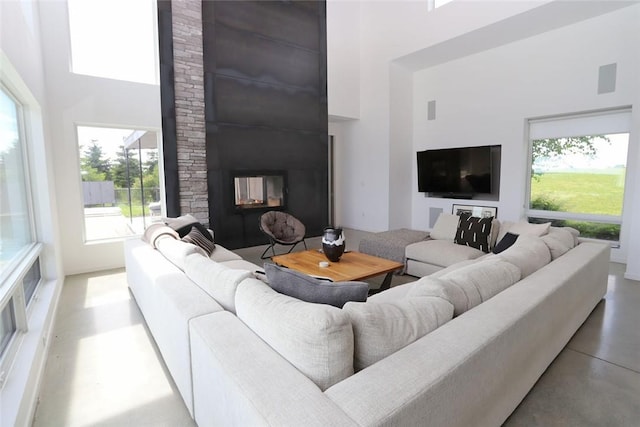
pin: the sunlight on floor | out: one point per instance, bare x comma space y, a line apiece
103, 367
100, 295
104, 363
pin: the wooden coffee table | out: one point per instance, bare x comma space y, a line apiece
352, 266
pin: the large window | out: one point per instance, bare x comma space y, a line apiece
19, 253
578, 171
7, 326
120, 176
15, 222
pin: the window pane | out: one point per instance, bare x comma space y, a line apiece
580, 175
15, 225
592, 230
120, 181
31, 280
7, 325
113, 39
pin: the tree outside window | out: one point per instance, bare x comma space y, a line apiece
121, 182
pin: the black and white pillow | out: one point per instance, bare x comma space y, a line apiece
191, 231
474, 232
200, 236
306, 288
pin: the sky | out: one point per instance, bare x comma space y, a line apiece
109, 139
609, 154
8, 122
128, 53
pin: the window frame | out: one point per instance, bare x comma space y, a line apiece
11, 287
558, 215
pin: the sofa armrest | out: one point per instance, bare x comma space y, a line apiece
239, 380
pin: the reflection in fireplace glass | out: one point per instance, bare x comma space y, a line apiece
259, 191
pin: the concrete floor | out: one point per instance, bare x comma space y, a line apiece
105, 370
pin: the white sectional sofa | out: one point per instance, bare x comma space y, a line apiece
242, 354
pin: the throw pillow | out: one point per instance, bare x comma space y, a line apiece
306, 288
474, 232
153, 232
524, 227
315, 338
199, 236
559, 241
181, 224
529, 253
471, 285
381, 329
445, 227
508, 240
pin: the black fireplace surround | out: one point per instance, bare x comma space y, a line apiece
265, 84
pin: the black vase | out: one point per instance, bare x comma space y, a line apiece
333, 243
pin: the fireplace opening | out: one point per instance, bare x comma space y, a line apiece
254, 191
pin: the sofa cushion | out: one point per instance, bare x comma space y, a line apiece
456, 266
177, 251
523, 227
474, 232
315, 338
222, 254
445, 227
574, 232
382, 328
442, 253
310, 289
218, 280
394, 293
471, 285
240, 264
529, 253
559, 241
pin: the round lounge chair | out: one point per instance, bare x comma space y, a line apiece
281, 228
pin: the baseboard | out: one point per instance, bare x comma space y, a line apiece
629, 276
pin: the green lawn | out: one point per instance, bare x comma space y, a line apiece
136, 210
583, 192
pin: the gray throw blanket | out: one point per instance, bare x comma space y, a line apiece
391, 244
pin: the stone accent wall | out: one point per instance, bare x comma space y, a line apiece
190, 108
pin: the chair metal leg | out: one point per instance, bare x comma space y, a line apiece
296, 244
271, 246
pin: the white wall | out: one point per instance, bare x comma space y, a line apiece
464, 57
77, 99
343, 59
486, 98
389, 30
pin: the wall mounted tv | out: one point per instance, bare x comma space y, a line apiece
459, 172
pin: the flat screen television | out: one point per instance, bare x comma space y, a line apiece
457, 172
